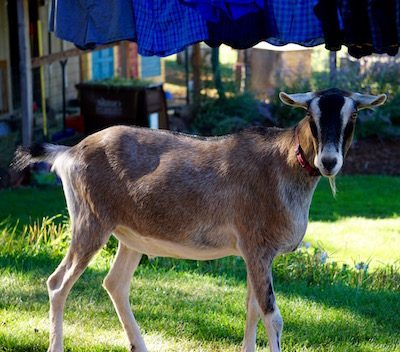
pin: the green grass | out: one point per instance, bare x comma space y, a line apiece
361, 224
183, 310
200, 306
358, 196
28, 204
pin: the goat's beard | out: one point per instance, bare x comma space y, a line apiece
332, 183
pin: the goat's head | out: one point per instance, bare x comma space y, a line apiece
331, 116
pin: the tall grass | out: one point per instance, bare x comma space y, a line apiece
306, 264
45, 236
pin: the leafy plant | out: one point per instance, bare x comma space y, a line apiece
41, 236
227, 115
283, 114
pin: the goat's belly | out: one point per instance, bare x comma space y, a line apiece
154, 247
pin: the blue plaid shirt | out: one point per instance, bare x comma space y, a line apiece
296, 22
165, 27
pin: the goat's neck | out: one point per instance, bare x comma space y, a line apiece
298, 174
306, 142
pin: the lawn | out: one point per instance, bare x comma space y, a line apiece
200, 306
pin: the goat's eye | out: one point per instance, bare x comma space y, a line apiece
354, 115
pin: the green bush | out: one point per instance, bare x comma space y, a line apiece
285, 115
227, 115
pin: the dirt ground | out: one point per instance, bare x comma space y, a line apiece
372, 156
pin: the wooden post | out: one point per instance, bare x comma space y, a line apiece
25, 71
42, 85
196, 70
124, 61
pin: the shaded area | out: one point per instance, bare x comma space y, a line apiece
361, 196
27, 204
373, 156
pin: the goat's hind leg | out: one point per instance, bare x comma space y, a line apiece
117, 284
84, 244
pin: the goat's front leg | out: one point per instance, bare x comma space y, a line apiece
252, 318
261, 296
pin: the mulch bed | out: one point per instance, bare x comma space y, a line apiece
373, 156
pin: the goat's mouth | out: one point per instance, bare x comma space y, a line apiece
327, 174
328, 165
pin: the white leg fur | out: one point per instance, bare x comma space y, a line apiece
252, 318
117, 284
273, 324
59, 284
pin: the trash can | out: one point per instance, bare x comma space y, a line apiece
108, 105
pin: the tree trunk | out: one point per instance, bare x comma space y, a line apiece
332, 67
217, 72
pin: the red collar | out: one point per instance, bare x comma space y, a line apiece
302, 161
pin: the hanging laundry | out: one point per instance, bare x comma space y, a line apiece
357, 33
90, 23
279, 23
296, 22
244, 32
383, 17
211, 10
369, 26
165, 27
332, 25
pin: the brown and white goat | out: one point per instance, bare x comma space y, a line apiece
169, 194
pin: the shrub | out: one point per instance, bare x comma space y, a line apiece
285, 115
227, 115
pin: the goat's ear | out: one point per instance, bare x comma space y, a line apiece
297, 100
364, 101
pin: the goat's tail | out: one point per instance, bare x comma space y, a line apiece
34, 153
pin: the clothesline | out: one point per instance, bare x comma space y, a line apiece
166, 27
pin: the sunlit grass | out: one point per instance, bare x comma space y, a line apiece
353, 240
200, 306
189, 311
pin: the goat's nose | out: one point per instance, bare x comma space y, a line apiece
329, 163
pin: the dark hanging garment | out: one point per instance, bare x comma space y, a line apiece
242, 33
327, 13
357, 33
280, 22
382, 17
211, 9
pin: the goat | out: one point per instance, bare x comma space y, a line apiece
163, 193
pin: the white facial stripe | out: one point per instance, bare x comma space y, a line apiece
316, 113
